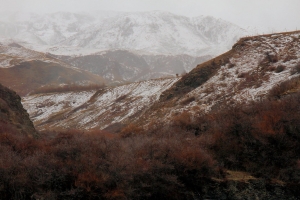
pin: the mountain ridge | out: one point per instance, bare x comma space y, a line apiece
248, 72
144, 32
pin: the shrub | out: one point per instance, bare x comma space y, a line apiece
280, 68
121, 98
188, 100
280, 89
295, 69
130, 130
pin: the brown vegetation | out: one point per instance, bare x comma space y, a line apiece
28, 76
67, 88
288, 86
75, 165
260, 141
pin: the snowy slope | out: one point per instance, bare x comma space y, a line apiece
94, 109
12, 54
248, 72
160, 33
145, 32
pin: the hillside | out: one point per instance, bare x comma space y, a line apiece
229, 129
25, 70
108, 108
124, 66
13, 117
254, 67
248, 72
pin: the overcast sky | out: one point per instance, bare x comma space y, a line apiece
266, 15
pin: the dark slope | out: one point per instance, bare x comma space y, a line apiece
13, 117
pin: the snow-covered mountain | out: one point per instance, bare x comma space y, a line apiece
144, 32
255, 68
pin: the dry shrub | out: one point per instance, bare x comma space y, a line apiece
289, 57
121, 98
188, 100
280, 68
249, 79
295, 69
271, 68
183, 121
280, 89
231, 65
130, 130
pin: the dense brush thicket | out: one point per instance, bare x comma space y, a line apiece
75, 165
261, 138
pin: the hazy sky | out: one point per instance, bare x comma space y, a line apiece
267, 15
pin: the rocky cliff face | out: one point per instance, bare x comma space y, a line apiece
13, 117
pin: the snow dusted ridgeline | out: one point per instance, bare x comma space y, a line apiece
247, 72
12, 54
154, 32
258, 64
94, 109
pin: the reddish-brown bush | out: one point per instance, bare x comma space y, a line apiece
296, 69
280, 68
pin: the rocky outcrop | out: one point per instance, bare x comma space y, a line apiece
13, 117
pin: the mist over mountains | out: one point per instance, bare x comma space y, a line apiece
154, 32
119, 46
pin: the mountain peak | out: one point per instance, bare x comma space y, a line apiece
155, 32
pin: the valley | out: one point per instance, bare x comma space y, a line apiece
146, 105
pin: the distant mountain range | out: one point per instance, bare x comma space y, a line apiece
154, 32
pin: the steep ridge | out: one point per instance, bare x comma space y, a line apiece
108, 108
248, 72
25, 70
13, 117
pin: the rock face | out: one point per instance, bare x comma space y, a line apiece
13, 117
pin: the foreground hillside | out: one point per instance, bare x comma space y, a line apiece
242, 153
97, 109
